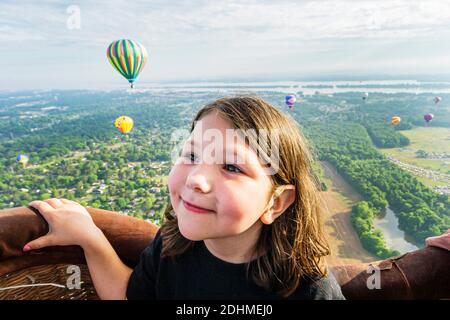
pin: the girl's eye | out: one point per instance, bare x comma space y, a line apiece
191, 157
232, 168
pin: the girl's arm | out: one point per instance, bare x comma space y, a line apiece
108, 273
71, 224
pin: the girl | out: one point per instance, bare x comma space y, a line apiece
245, 228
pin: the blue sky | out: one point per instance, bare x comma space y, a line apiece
196, 39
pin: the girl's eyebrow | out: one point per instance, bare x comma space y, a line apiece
234, 152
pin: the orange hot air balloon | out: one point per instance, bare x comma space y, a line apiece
124, 124
395, 120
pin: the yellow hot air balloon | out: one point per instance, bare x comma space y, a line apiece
395, 120
23, 159
124, 124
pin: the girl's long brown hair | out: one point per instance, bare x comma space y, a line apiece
294, 245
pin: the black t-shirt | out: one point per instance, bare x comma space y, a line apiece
198, 274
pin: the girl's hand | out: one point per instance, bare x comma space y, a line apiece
69, 224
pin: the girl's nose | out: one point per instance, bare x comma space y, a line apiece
198, 178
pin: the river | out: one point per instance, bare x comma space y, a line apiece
394, 237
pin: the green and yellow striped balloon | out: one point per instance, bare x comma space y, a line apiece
128, 58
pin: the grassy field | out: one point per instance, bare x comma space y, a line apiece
408, 155
430, 140
431, 183
435, 140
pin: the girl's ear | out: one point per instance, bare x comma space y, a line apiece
281, 200
266, 218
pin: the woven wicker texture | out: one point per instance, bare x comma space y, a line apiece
48, 282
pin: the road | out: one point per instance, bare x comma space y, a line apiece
345, 244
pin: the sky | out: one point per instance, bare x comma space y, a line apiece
62, 44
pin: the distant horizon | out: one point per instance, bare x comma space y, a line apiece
420, 78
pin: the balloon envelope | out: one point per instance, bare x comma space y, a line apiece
437, 99
23, 159
128, 58
290, 100
428, 117
124, 124
395, 120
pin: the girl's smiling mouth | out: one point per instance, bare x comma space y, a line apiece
195, 209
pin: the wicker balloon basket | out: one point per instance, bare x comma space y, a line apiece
60, 273
48, 282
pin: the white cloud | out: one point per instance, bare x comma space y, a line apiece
188, 38
185, 21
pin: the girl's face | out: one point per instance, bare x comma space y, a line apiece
233, 191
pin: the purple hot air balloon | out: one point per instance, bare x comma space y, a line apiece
428, 117
290, 100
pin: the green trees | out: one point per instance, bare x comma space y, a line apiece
122, 203
77, 153
383, 135
372, 239
421, 212
421, 154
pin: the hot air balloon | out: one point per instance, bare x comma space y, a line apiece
395, 120
128, 58
22, 159
290, 100
428, 117
365, 95
124, 124
437, 100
